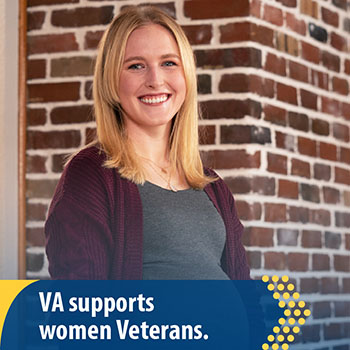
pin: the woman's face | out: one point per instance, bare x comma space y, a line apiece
152, 84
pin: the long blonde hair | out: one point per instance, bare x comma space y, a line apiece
111, 136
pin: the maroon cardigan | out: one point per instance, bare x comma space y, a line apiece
94, 224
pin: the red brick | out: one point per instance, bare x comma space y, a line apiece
298, 71
327, 151
49, 43
92, 39
232, 109
231, 57
310, 193
295, 24
263, 185
36, 211
239, 184
36, 164
206, 9
332, 107
275, 64
311, 239
35, 236
309, 285
275, 115
330, 17
347, 66
254, 259
320, 127
340, 86
331, 195
53, 139
288, 3
329, 285
36, 116
40, 188
277, 163
310, 53
320, 217
298, 121
287, 43
322, 172
321, 309
49, 2
246, 31
287, 237
36, 69
341, 132
298, 214
332, 240
288, 189
204, 84
82, 16
58, 162
342, 263
35, 20
342, 308
298, 261
248, 211
231, 159
72, 66
53, 92
198, 34
342, 219
255, 8
319, 79
238, 134
275, 261
330, 61
320, 262
345, 110
342, 176
273, 15
262, 86
346, 285
207, 134
275, 212
309, 8
308, 99
71, 114
307, 146
287, 93
347, 241
285, 141
234, 83
338, 42
344, 156
258, 236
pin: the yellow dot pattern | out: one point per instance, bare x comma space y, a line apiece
295, 313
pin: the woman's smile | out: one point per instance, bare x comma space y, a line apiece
155, 100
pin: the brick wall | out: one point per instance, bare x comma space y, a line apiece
274, 89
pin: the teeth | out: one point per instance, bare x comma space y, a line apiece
158, 99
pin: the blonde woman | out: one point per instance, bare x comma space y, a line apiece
137, 202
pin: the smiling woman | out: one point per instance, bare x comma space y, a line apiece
137, 202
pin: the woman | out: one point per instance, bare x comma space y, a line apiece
137, 203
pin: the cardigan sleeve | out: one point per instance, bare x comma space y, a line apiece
241, 267
77, 229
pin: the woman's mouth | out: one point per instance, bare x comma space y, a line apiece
154, 99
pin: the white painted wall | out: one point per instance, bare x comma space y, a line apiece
8, 139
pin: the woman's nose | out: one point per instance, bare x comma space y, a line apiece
154, 77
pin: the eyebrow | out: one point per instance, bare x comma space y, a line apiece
140, 58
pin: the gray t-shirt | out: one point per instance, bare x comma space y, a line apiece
183, 235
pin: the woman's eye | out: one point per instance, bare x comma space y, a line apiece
135, 66
169, 64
